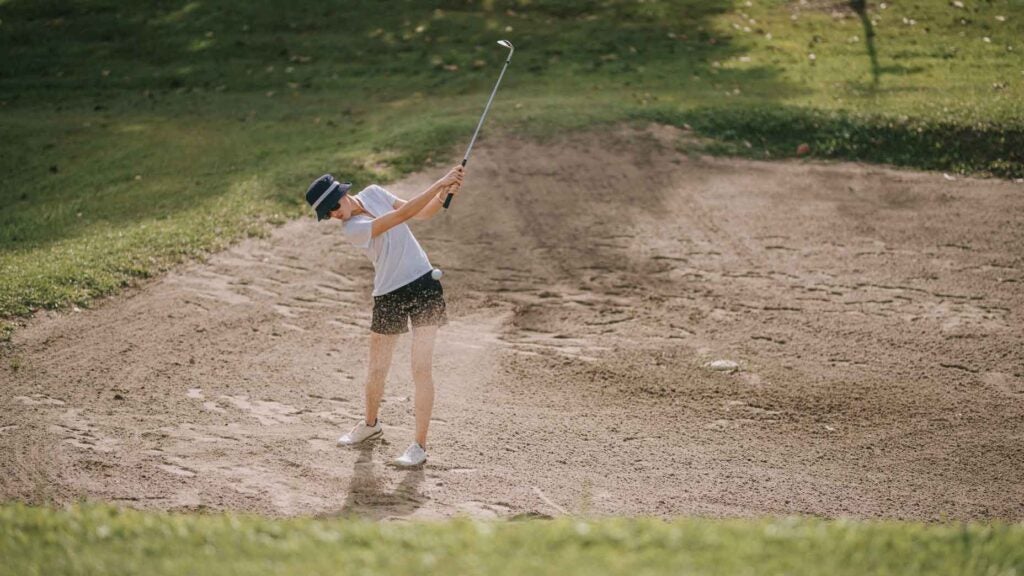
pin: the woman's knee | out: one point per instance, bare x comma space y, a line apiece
422, 374
376, 377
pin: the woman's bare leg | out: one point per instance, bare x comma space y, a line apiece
382, 347
422, 376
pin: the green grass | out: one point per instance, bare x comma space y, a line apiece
136, 135
105, 540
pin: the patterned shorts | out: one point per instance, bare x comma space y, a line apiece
420, 301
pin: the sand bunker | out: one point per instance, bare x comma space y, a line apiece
874, 318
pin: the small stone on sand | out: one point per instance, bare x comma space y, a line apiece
724, 365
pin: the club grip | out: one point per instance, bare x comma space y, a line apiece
448, 198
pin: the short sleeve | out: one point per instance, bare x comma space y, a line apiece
385, 196
358, 231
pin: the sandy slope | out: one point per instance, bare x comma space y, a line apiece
876, 316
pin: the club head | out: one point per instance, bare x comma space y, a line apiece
506, 44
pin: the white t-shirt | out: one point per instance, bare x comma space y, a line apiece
396, 255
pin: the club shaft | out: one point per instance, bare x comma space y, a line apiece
484, 115
465, 159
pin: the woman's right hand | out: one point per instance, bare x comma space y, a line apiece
453, 177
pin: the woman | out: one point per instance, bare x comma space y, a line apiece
405, 289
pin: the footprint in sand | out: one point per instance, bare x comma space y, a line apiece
213, 286
267, 412
484, 510
322, 445
79, 432
286, 310
1005, 383
741, 408
176, 470
720, 425
213, 407
210, 405
38, 400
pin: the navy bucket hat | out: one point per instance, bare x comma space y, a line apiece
324, 194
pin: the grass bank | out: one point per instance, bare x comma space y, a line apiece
767, 132
104, 540
135, 136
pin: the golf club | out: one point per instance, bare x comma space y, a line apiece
511, 49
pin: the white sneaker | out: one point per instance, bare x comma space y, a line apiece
361, 433
414, 455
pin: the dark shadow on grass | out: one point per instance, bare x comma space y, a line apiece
261, 71
860, 7
986, 148
299, 45
183, 62
900, 70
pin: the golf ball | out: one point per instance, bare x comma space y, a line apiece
436, 273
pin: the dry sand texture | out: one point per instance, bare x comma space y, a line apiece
875, 316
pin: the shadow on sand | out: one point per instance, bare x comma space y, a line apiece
368, 495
